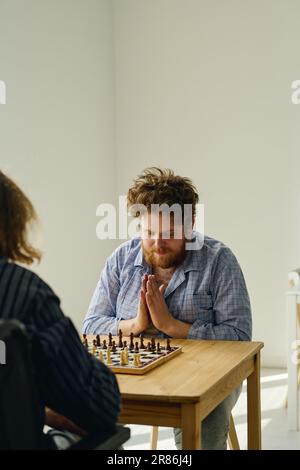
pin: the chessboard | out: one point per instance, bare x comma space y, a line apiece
130, 357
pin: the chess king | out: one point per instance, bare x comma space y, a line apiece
158, 282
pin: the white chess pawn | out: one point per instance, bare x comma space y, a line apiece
122, 358
108, 358
136, 360
126, 356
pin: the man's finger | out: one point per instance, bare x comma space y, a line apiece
143, 296
162, 288
149, 300
144, 282
155, 289
150, 286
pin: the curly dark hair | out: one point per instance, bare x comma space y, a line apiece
162, 186
16, 215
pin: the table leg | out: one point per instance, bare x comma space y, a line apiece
191, 426
254, 409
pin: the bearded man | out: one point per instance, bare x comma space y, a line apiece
173, 282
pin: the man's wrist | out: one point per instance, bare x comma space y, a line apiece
170, 327
136, 329
177, 329
129, 326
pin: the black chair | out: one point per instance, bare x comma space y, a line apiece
20, 420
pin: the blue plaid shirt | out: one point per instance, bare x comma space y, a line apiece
207, 290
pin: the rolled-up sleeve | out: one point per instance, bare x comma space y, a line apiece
231, 304
101, 315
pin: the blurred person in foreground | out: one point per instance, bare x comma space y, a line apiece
77, 393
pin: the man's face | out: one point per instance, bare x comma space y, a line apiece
160, 247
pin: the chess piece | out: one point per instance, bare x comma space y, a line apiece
120, 339
108, 358
136, 349
149, 346
142, 346
110, 340
131, 346
158, 348
126, 355
113, 347
98, 341
168, 345
153, 344
122, 358
136, 360
100, 356
125, 344
104, 344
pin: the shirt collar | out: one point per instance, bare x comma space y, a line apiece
140, 260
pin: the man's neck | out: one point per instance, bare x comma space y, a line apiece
164, 274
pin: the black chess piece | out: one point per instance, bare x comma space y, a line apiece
98, 341
104, 344
142, 346
120, 339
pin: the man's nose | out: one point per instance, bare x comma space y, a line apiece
159, 242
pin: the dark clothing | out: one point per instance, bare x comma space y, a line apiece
70, 381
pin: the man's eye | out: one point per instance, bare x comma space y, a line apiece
168, 235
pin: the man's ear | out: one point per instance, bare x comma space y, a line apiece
188, 229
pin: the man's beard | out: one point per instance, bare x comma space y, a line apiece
168, 260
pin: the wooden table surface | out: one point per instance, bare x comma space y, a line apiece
184, 390
203, 365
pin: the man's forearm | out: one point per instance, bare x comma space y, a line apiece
177, 329
129, 326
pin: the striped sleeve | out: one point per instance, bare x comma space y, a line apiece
71, 381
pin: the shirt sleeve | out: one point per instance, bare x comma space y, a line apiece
101, 315
71, 381
231, 304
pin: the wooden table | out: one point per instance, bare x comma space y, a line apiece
183, 391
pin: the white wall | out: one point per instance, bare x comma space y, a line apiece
200, 86
204, 87
56, 130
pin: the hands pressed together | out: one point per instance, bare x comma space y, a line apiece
152, 307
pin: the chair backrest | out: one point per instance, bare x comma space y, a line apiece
21, 425
20, 422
